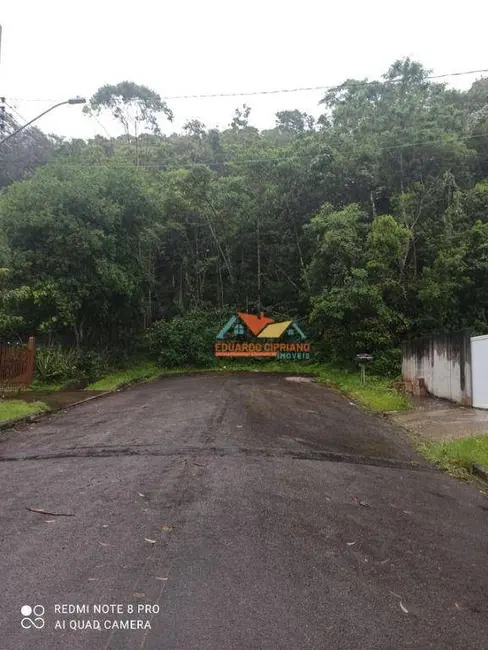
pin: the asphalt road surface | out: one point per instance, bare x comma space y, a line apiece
239, 511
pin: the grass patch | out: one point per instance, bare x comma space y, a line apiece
377, 394
121, 377
16, 408
456, 457
46, 386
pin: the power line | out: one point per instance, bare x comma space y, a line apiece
164, 164
309, 88
16, 112
278, 90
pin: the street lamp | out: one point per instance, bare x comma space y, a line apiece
72, 100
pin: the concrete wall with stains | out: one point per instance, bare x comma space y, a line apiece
444, 362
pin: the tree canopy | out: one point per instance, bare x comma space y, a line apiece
368, 225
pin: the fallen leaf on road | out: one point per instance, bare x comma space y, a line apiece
151, 541
166, 529
359, 502
457, 606
403, 608
350, 543
45, 512
139, 594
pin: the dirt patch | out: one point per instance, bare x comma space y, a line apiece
300, 380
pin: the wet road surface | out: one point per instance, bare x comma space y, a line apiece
239, 511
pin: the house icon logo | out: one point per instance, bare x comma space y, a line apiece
250, 335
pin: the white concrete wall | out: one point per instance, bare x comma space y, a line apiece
444, 362
479, 353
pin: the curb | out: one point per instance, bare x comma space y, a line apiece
37, 417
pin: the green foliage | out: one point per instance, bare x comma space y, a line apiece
131, 104
91, 365
458, 456
369, 224
387, 363
376, 394
13, 409
55, 364
186, 340
126, 376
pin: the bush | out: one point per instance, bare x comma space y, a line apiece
387, 364
91, 366
56, 364
63, 365
186, 340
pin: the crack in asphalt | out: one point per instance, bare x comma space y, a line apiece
216, 452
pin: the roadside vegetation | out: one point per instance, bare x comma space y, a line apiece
119, 378
14, 409
457, 457
376, 394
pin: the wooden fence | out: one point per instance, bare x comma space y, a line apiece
17, 365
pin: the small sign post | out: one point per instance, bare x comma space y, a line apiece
363, 359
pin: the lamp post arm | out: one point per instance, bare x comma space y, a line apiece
24, 126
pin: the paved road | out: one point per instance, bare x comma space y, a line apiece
256, 512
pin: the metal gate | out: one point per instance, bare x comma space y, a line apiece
479, 365
17, 365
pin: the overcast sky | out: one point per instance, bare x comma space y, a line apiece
55, 49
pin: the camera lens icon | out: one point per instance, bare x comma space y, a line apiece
33, 616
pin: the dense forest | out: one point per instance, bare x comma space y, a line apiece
367, 225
